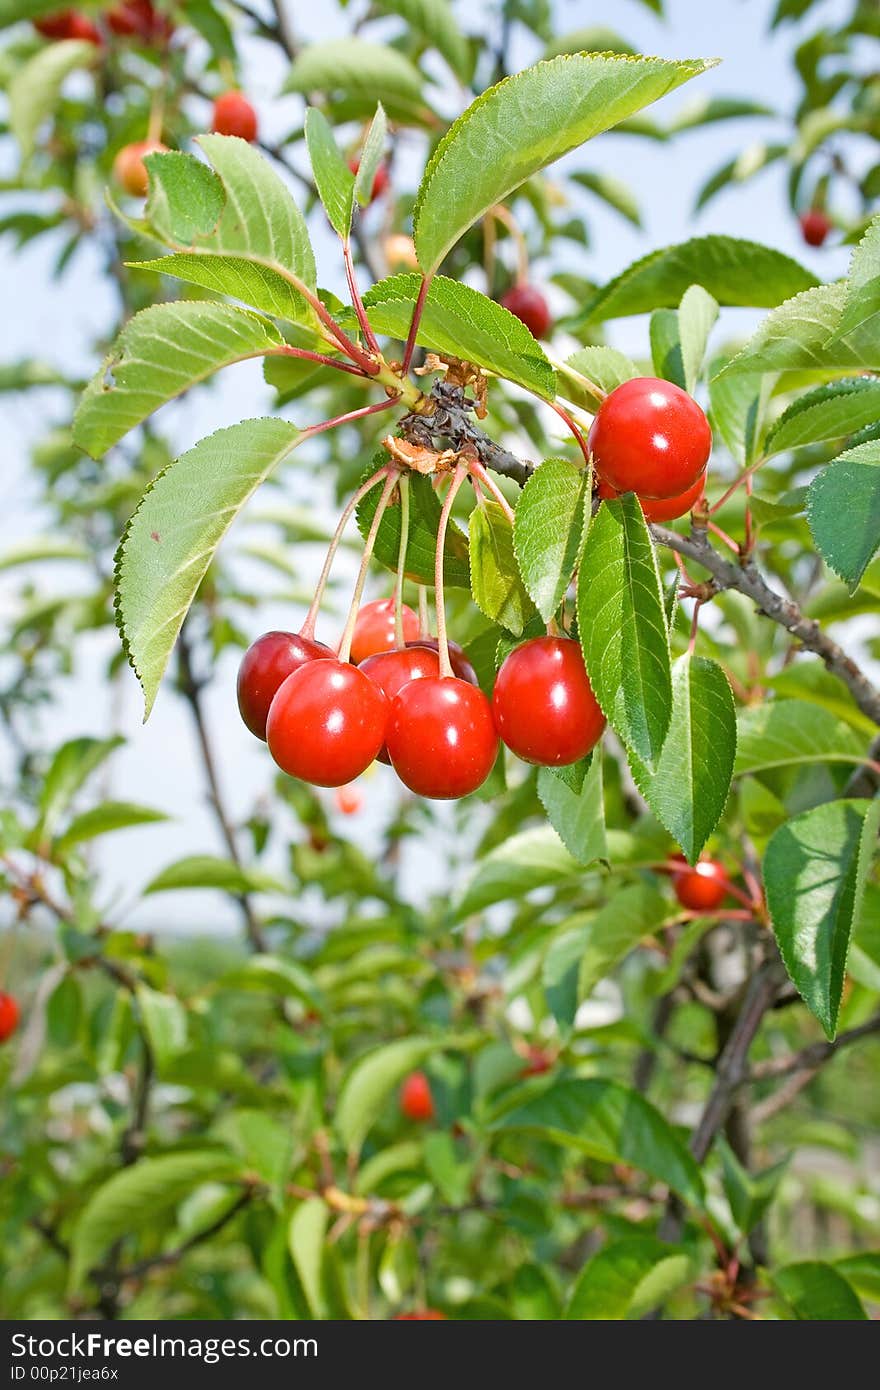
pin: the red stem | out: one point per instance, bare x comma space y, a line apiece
578, 436
345, 644
357, 302
477, 471
743, 477
458, 478
319, 357
350, 415
723, 536
414, 323
308, 627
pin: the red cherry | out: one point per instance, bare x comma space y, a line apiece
530, 306
234, 115
393, 670
266, 663
537, 1061
326, 723
544, 706
9, 1016
815, 226
702, 888
129, 168
374, 629
441, 739
139, 18
650, 437
349, 800
663, 508
81, 27
381, 179
422, 1315
416, 1100
68, 24
458, 659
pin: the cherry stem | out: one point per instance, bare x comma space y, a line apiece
424, 618
578, 436
477, 471
734, 487
350, 415
592, 386
357, 303
507, 219
157, 112
723, 536
416, 319
344, 651
308, 628
695, 627
458, 478
399, 638
288, 351
348, 347
748, 542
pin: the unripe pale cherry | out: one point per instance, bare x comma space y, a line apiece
651, 438
663, 508
9, 1016
129, 168
543, 703
416, 1100
440, 738
815, 226
234, 115
326, 723
400, 252
702, 888
266, 663
374, 630
529, 305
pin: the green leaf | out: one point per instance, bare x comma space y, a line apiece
372, 151
305, 1239
862, 1271
613, 1124
164, 1019
531, 859
286, 978
369, 1084
333, 178
559, 974
256, 244
817, 1292
705, 110
696, 317
547, 531
161, 352
435, 22
71, 766
613, 192
827, 412
688, 791
133, 1199
461, 322
169, 542
733, 271
599, 366
576, 809
107, 817
786, 733
743, 167
204, 871
355, 66
424, 518
596, 38
815, 869
795, 337
35, 88
749, 1194
843, 511
496, 586
861, 300
616, 929
265, 1144
525, 123
39, 548
737, 405
622, 626
628, 1278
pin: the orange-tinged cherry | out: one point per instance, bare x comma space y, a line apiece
663, 508
543, 703
702, 888
349, 800
9, 1016
374, 629
266, 663
129, 168
416, 1100
326, 723
530, 307
651, 438
441, 738
234, 115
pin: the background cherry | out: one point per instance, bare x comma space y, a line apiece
68, 24
129, 168
9, 1016
266, 663
234, 115
663, 508
815, 226
326, 723
416, 1100
381, 178
393, 670
702, 888
650, 437
458, 658
421, 1315
349, 800
543, 703
441, 739
530, 307
374, 630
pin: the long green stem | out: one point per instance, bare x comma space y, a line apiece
308, 627
399, 638
458, 478
345, 644
424, 617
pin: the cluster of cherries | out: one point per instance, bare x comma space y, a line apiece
131, 19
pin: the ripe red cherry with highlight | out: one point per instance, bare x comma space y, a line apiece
416, 1100
530, 306
266, 663
441, 739
543, 703
421, 1315
326, 723
702, 888
458, 658
129, 168
663, 508
9, 1016
815, 226
650, 437
374, 630
393, 670
234, 115
381, 179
